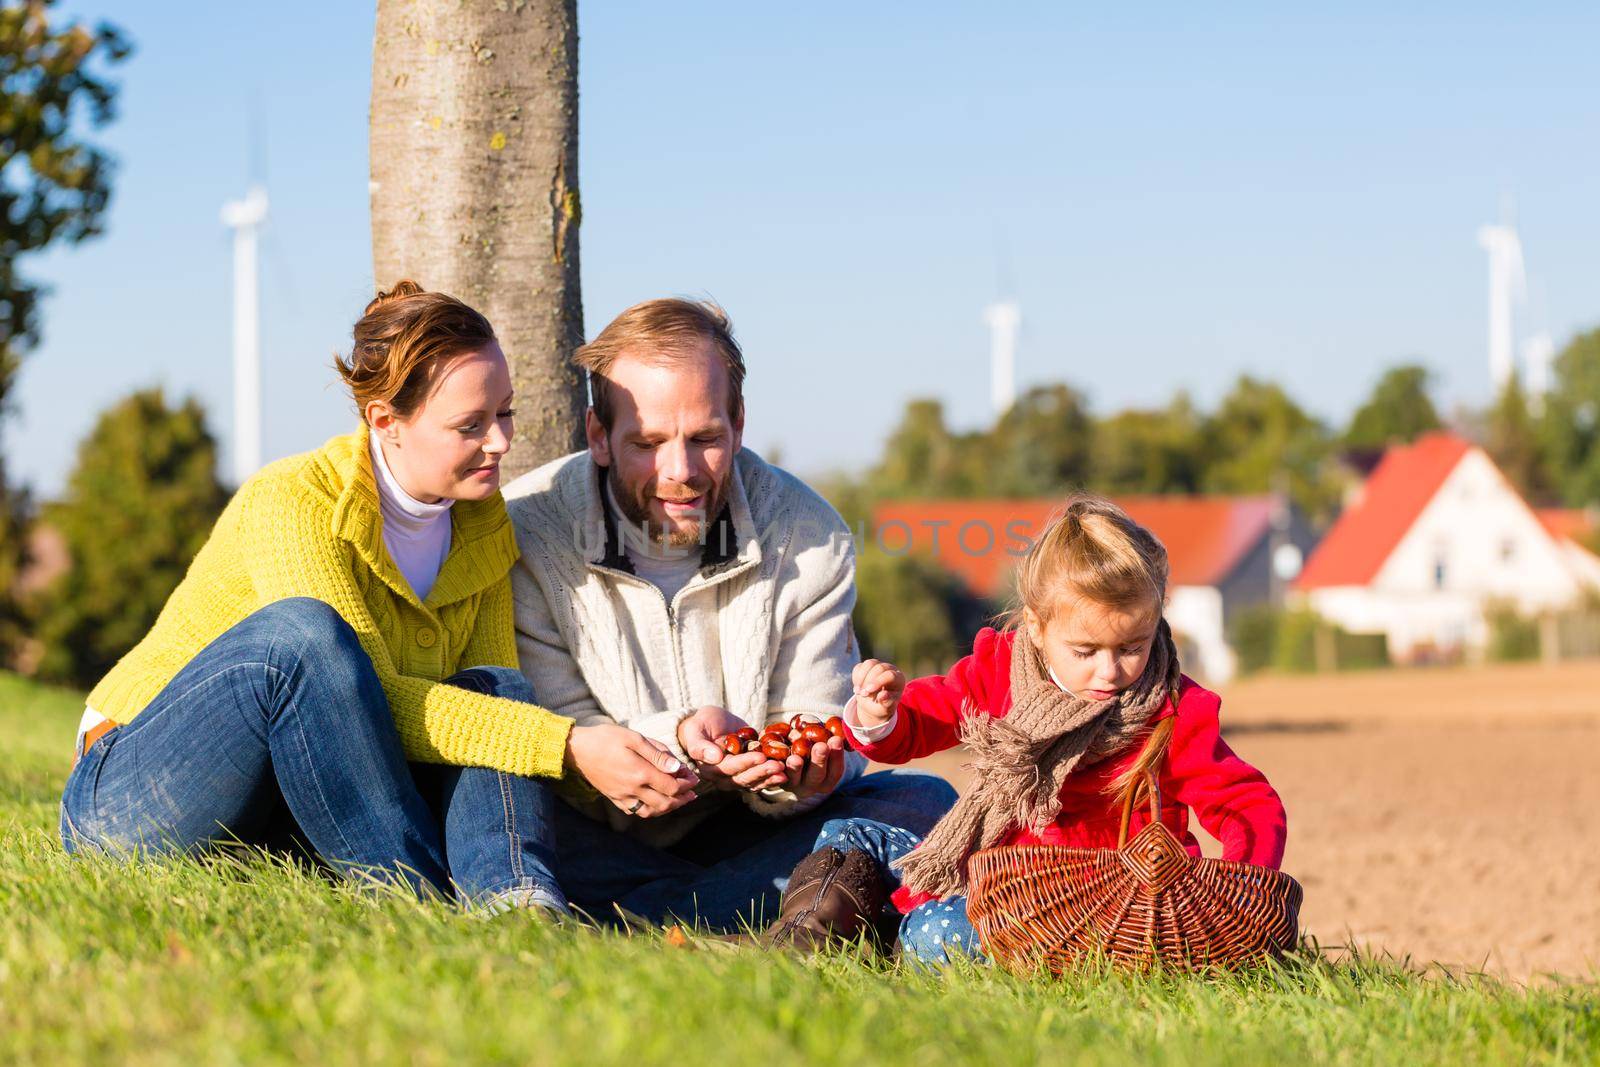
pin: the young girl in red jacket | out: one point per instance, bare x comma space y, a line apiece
1063, 713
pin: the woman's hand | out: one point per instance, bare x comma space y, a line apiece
632, 771
878, 687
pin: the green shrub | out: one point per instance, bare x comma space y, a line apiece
139, 504
1287, 640
1251, 632
1512, 635
910, 610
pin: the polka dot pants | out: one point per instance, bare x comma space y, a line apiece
939, 932
884, 843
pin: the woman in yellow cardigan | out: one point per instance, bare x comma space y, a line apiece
341, 651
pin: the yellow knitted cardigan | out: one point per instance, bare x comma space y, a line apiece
310, 526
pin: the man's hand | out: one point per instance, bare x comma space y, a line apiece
818, 773
632, 771
750, 770
878, 687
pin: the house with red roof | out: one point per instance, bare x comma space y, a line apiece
1220, 552
1433, 538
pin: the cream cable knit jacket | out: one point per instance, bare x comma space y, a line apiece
763, 630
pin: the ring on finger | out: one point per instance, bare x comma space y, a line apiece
637, 804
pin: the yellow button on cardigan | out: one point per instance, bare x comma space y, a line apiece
309, 526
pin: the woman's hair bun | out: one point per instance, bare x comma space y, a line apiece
402, 339
403, 288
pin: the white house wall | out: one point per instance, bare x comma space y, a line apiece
1195, 612
1490, 544
1411, 622
1583, 563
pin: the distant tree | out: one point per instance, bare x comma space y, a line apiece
1039, 447
1148, 451
54, 188
54, 185
138, 506
1259, 439
922, 458
1397, 412
1570, 426
1514, 442
16, 516
908, 610
850, 495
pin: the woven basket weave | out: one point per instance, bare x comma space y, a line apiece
1145, 901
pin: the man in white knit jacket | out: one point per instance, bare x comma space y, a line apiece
676, 585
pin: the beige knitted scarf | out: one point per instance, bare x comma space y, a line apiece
1020, 762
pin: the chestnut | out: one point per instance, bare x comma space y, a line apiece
815, 732
835, 726
801, 748
746, 734
774, 749
797, 722
732, 744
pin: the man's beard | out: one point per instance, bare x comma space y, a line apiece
635, 507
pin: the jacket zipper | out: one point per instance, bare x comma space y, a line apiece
681, 681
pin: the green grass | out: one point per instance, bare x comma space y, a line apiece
224, 962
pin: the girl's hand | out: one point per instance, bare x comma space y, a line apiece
878, 687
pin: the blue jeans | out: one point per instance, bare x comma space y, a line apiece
938, 932
282, 720
732, 868
934, 932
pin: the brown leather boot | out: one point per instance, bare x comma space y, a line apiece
832, 897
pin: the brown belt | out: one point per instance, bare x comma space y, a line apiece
91, 735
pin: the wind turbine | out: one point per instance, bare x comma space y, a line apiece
1004, 318
1538, 353
245, 217
1507, 287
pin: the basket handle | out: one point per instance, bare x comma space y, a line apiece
1152, 788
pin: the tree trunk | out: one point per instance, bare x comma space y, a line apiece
474, 162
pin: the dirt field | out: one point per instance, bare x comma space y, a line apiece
1449, 815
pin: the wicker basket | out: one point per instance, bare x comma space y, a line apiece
1145, 901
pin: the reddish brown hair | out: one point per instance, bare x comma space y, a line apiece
402, 340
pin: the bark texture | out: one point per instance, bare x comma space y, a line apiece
474, 166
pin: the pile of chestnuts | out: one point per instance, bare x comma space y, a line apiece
780, 740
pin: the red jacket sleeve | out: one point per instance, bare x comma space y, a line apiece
1232, 800
929, 716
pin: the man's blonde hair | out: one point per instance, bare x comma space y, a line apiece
664, 331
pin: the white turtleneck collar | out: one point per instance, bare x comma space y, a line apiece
416, 534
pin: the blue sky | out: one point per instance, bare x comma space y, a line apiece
1176, 196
